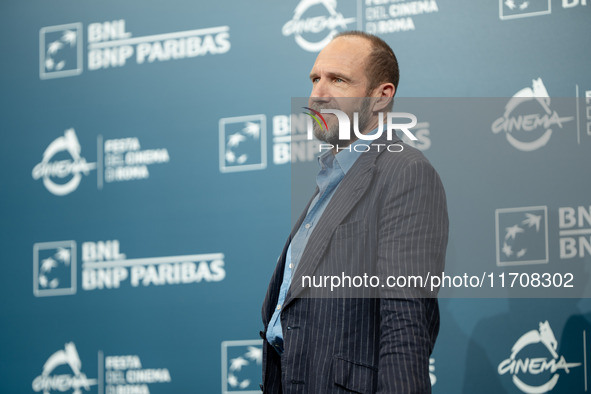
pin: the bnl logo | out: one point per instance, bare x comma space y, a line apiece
522, 235
575, 231
241, 366
60, 51
54, 268
243, 143
511, 9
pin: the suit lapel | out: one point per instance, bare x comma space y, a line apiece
348, 193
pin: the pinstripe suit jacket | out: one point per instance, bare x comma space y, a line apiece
389, 214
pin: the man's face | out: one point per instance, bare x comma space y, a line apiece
339, 72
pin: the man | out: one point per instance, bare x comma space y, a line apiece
383, 211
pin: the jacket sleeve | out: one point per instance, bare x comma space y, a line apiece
412, 241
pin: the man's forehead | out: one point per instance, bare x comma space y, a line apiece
350, 42
347, 51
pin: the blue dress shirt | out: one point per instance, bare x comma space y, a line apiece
332, 170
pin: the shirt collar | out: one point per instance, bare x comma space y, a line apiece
347, 157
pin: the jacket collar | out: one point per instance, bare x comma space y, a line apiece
352, 188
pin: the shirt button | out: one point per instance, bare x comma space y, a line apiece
290, 266
308, 225
278, 306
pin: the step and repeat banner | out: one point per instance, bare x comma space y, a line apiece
146, 185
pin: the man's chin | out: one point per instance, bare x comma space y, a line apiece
326, 139
329, 136
336, 143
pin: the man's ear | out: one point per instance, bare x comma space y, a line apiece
383, 96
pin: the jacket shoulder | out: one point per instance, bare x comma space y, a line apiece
398, 159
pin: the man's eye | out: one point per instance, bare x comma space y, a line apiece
339, 80
314, 80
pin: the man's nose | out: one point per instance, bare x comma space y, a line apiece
320, 91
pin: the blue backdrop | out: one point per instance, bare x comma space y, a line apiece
147, 186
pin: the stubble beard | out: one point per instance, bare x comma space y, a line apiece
331, 136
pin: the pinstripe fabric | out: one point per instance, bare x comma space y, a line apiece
389, 214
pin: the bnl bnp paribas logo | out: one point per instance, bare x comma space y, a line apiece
528, 121
535, 366
111, 45
243, 143
315, 22
104, 267
241, 366
54, 268
522, 234
513, 9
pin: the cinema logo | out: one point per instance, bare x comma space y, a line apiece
536, 374
105, 267
345, 126
62, 165
524, 130
123, 374
307, 26
111, 45
63, 360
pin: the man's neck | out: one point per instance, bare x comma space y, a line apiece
344, 144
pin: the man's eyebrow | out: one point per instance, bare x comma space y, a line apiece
331, 74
